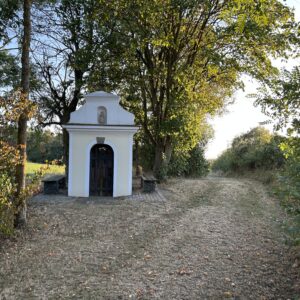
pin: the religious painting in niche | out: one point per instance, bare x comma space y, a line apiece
102, 115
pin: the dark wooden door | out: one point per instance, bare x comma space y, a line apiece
101, 170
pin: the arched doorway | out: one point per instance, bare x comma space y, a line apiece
101, 170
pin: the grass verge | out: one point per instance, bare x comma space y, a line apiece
53, 169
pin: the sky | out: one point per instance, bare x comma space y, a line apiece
242, 115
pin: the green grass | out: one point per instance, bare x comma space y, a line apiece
53, 169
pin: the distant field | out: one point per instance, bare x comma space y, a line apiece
32, 167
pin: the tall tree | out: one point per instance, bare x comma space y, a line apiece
279, 98
10, 70
22, 122
181, 59
8, 20
67, 39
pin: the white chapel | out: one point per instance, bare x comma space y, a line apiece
100, 148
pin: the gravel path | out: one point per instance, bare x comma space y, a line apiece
199, 239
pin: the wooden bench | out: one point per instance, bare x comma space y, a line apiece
148, 183
53, 183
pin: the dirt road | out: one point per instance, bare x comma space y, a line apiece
210, 239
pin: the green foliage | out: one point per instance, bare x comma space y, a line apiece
183, 163
162, 174
10, 71
290, 175
147, 154
225, 162
279, 99
179, 164
8, 18
198, 166
182, 60
10, 202
9, 205
259, 150
70, 42
44, 146
254, 150
9, 158
191, 163
293, 230
6, 207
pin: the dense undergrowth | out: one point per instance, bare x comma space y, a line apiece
191, 163
272, 159
8, 186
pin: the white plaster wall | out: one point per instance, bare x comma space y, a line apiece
79, 161
116, 115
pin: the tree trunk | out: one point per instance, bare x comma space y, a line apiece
64, 120
163, 154
67, 115
20, 218
168, 151
137, 159
158, 161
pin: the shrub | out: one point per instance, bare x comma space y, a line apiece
9, 158
147, 155
11, 108
290, 175
263, 152
197, 166
225, 162
178, 164
44, 146
192, 163
6, 207
254, 150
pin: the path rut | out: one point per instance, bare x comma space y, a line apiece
214, 238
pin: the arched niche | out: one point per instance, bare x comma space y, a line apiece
102, 115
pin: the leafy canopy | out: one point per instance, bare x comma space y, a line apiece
279, 98
181, 60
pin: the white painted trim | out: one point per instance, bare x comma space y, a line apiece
130, 144
92, 128
101, 94
70, 169
87, 166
